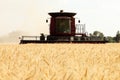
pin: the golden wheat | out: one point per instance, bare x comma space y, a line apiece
60, 62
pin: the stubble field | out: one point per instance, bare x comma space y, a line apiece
60, 62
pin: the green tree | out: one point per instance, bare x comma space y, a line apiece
98, 34
110, 39
118, 36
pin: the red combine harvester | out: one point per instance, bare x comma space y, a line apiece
63, 30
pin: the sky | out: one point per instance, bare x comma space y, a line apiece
30, 15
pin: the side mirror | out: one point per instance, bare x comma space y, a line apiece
46, 21
19, 37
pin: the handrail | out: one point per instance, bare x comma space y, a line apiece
30, 37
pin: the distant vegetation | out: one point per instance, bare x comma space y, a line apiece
110, 39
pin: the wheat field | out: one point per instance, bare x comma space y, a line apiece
60, 62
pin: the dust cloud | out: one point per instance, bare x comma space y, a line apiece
12, 37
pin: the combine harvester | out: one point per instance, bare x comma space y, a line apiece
63, 30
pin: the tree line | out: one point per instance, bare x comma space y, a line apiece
110, 39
